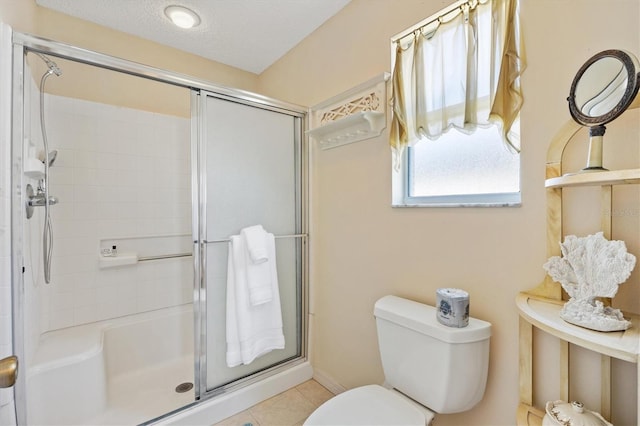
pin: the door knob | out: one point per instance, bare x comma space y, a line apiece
8, 371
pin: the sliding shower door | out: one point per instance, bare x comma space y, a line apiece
249, 173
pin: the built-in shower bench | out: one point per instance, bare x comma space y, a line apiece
70, 345
83, 363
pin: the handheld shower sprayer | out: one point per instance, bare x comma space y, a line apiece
52, 157
49, 158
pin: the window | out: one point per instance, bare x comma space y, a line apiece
456, 93
463, 169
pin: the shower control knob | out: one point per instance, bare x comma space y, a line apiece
38, 200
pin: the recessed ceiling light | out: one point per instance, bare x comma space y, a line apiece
182, 17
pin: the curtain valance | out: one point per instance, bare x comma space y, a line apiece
462, 70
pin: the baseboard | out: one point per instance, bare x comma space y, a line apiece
328, 382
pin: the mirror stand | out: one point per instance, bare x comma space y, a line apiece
594, 159
603, 88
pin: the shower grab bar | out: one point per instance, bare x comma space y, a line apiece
164, 256
171, 256
226, 240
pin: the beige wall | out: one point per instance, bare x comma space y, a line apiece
96, 85
363, 248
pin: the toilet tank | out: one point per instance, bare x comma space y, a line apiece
443, 368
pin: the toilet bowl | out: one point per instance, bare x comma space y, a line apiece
429, 368
370, 405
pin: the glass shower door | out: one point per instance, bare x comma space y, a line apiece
250, 174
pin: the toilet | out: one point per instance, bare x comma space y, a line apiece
429, 368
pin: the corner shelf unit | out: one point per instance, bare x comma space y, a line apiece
544, 314
540, 306
604, 178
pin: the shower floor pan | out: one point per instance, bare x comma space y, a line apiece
120, 371
146, 394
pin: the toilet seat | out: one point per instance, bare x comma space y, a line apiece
367, 405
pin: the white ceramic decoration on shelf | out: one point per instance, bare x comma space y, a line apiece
591, 267
561, 413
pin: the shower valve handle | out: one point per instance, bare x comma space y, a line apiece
38, 200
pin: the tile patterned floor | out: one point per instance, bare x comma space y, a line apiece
290, 408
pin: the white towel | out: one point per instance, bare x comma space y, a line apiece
258, 263
255, 238
252, 331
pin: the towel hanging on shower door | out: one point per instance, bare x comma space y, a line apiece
252, 329
258, 263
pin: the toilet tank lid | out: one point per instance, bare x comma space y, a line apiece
422, 318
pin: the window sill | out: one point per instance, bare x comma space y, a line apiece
513, 199
445, 205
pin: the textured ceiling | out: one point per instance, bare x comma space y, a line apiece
246, 34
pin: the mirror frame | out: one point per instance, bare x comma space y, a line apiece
633, 75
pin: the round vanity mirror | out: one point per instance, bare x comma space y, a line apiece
603, 88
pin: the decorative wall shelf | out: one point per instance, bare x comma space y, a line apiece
352, 116
353, 128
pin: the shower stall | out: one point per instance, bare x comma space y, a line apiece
127, 183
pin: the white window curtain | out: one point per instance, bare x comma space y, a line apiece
460, 71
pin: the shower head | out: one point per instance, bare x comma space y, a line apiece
53, 67
52, 157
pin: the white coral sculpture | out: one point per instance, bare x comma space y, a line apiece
591, 267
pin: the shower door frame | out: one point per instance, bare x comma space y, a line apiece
199, 225
22, 44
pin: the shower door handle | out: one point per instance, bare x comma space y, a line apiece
8, 371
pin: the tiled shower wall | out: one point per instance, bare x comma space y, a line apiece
122, 176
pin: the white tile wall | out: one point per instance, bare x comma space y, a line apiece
119, 173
